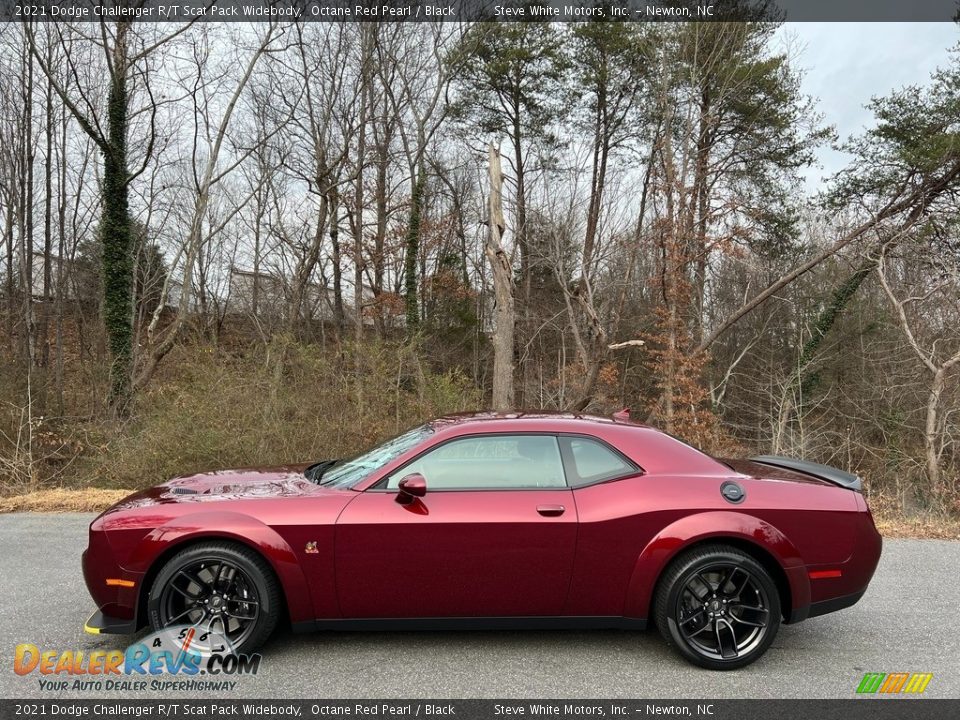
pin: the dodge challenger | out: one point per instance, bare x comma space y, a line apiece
490, 520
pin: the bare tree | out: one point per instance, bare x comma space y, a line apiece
211, 133
939, 278
322, 116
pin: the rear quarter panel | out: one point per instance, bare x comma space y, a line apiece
631, 529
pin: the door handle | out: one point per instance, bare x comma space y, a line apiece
551, 510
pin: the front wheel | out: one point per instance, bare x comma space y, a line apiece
718, 606
226, 593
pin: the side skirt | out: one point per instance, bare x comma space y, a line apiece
601, 622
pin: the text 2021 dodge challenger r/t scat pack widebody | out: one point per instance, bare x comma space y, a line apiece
493, 521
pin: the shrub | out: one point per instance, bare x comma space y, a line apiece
284, 402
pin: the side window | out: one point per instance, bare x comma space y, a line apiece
489, 462
593, 461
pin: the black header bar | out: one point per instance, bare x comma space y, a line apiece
473, 10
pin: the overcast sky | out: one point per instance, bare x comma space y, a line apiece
846, 64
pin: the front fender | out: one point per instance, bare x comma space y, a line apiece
243, 529
695, 528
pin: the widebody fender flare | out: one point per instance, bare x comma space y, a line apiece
717, 525
236, 527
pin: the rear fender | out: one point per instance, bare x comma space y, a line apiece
707, 526
241, 529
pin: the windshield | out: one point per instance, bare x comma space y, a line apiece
349, 472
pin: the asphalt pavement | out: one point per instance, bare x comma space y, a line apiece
907, 622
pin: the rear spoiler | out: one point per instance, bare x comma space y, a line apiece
824, 472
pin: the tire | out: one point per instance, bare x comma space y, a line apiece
224, 588
718, 607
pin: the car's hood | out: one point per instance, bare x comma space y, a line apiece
241, 483
258, 482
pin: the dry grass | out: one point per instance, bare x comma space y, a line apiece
925, 526
62, 500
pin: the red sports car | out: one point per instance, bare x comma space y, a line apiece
493, 521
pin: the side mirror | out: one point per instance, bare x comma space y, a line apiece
412, 486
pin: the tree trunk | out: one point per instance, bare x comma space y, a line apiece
255, 290
522, 240
117, 264
368, 34
931, 434
338, 316
699, 252
63, 276
26, 219
594, 349
520, 231
10, 292
305, 268
380, 238
44, 315
412, 253
503, 291
597, 182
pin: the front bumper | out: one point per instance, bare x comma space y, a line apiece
100, 623
116, 592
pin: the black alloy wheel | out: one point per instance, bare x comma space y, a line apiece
224, 591
718, 606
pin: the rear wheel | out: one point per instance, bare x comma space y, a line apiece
718, 606
224, 591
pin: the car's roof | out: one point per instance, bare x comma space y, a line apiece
533, 417
658, 451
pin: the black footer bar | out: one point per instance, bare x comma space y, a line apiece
872, 708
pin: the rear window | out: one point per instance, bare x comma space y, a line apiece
594, 461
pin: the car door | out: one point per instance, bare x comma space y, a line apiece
615, 524
493, 536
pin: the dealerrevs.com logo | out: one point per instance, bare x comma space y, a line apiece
894, 683
183, 652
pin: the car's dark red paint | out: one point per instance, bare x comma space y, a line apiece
354, 553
